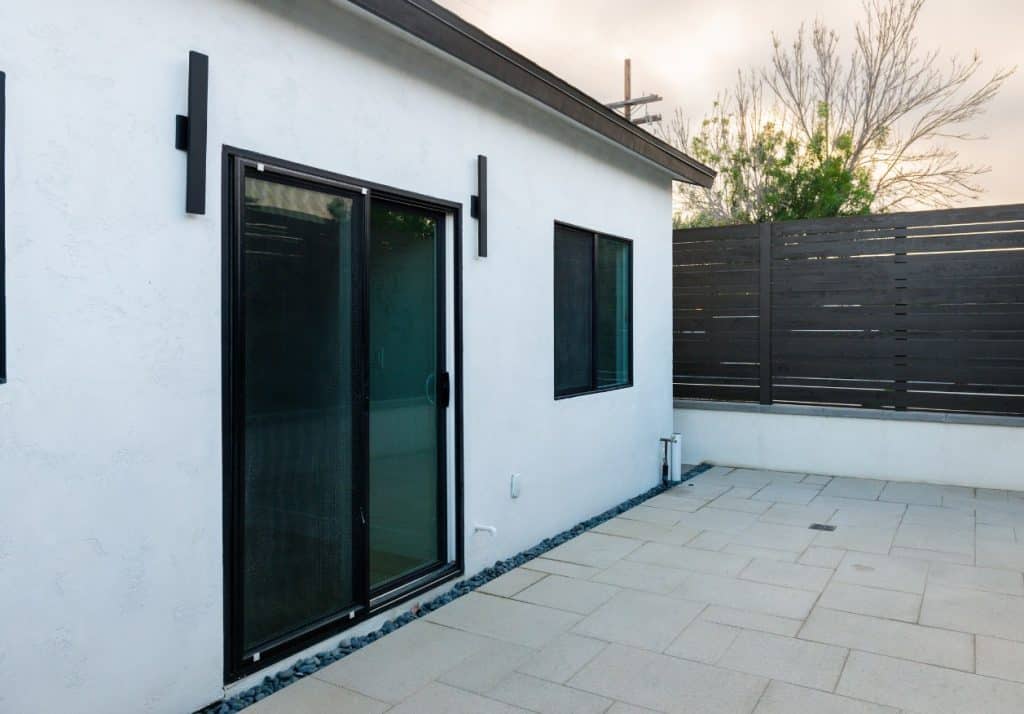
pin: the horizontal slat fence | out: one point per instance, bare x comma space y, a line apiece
904, 311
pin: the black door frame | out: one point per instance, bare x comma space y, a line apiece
236, 663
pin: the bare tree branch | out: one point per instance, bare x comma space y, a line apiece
903, 110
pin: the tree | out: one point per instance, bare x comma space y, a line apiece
815, 134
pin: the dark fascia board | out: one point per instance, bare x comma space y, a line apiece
448, 32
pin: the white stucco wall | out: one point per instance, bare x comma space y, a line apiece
983, 456
110, 425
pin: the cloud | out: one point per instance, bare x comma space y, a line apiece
689, 51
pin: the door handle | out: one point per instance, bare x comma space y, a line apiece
444, 390
427, 388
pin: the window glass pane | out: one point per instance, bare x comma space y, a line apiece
613, 308
298, 421
406, 482
574, 276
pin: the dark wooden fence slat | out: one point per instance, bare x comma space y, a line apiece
954, 216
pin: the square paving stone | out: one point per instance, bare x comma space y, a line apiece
718, 520
438, 698
511, 582
562, 657
395, 666
316, 697
519, 622
659, 516
865, 540
789, 575
703, 641
628, 528
558, 567
594, 549
579, 596
942, 538
484, 670
702, 561
967, 610
639, 619
771, 535
752, 620
786, 659
968, 576
1000, 658
929, 645
917, 687
731, 503
881, 571
787, 493
668, 684
890, 604
753, 551
675, 502
860, 488
801, 516
995, 554
643, 576
782, 698
539, 695
747, 595
822, 557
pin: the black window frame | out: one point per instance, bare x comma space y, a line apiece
593, 387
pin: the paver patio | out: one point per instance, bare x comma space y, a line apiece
717, 597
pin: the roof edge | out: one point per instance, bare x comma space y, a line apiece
449, 33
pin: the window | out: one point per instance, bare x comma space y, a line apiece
593, 312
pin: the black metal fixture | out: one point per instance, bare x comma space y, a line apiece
666, 444
190, 134
821, 527
478, 205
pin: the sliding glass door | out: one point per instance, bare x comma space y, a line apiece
337, 485
300, 407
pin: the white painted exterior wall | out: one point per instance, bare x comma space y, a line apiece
982, 456
110, 424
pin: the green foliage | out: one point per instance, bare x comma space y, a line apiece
775, 176
812, 182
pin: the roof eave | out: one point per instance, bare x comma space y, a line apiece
449, 33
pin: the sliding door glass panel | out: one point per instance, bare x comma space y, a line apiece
613, 312
297, 300
574, 297
407, 492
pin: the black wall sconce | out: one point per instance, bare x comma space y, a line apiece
190, 134
478, 205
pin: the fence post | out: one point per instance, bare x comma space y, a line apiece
765, 312
900, 356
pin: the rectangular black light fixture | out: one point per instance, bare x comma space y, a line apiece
478, 205
190, 134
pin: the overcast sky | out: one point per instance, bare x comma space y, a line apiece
687, 51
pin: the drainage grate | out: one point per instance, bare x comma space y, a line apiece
821, 527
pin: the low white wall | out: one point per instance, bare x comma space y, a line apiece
963, 454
